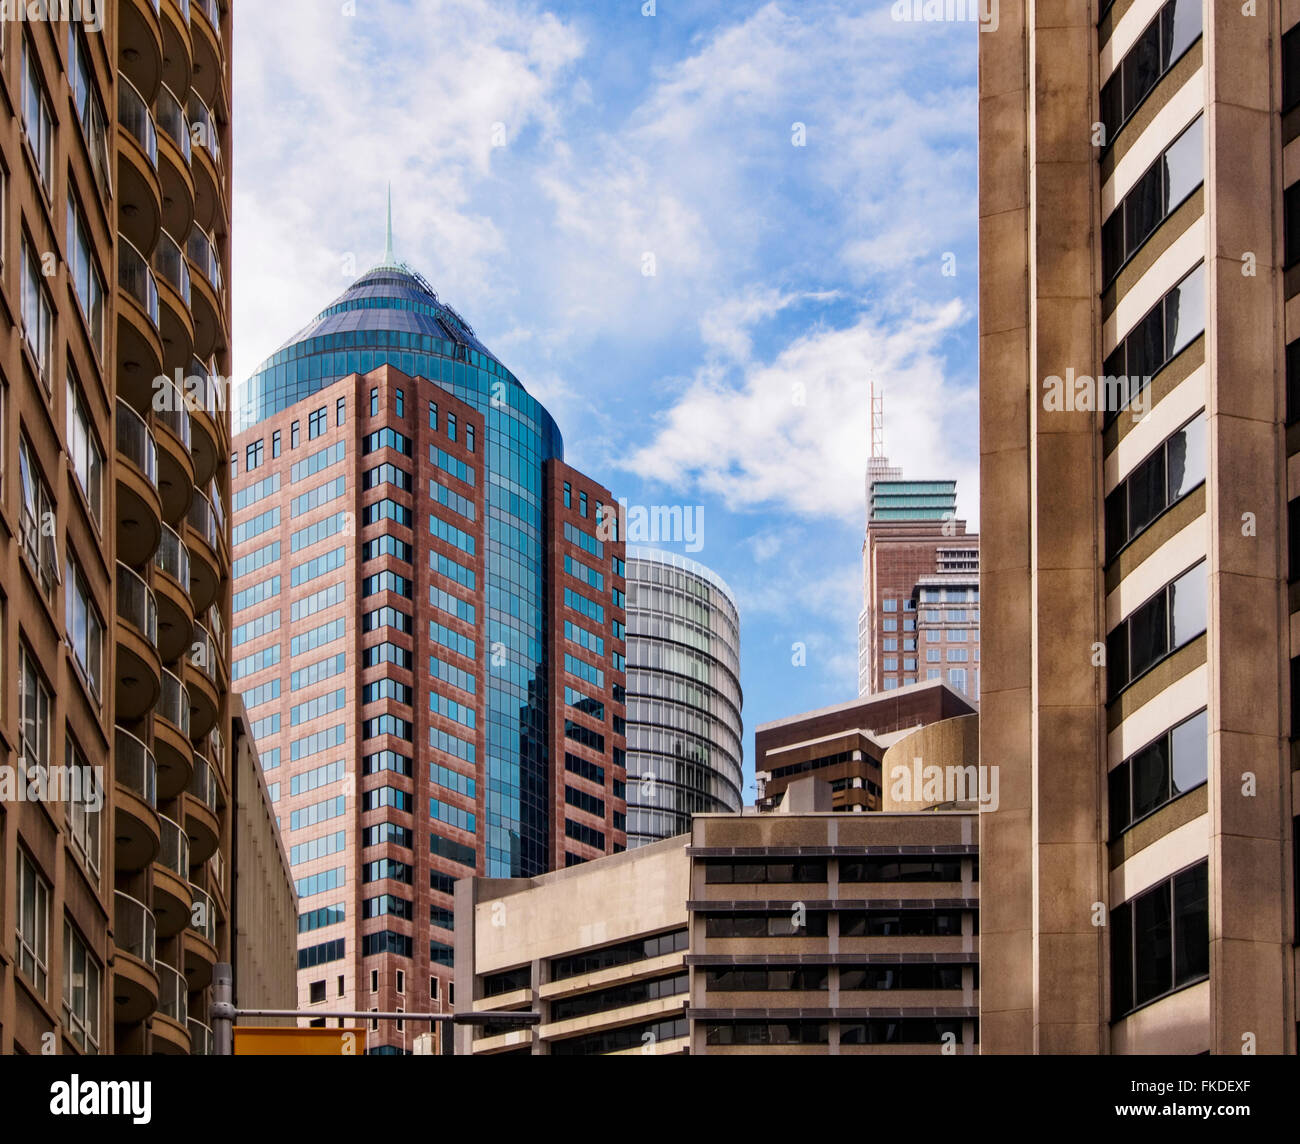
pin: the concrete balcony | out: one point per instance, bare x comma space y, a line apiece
136, 830
176, 322
139, 507
171, 737
139, 669
171, 1032
135, 980
202, 812
171, 879
139, 190
171, 424
171, 584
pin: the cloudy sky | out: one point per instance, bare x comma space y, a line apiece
694, 235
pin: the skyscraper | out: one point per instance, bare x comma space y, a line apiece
920, 576
1138, 246
115, 252
684, 730
429, 624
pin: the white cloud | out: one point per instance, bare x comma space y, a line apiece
794, 433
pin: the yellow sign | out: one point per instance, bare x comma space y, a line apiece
262, 1041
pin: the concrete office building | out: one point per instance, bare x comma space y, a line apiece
1138, 174
428, 637
844, 745
114, 248
920, 586
264, 906
796, 932
684, 729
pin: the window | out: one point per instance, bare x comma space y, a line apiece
1156, 194
400, 403
433, 415
38, 120
1172, 471
84, 452
85, 807
317, 423
374, 403
1160, 940
340, 410
1159, 773
1172, 617
755, 924
293, 435
1162, 43
34, 704
317, 992
451, 426
82, 978
275, 444
729, 872
253, 456
37, 312
85, 275
469, 437
32, 933
957, 678
1156, 339
84, 627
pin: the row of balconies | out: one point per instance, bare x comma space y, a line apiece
144, 984
172, 539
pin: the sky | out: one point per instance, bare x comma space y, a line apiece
696, 230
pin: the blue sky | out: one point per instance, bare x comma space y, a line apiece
539, 152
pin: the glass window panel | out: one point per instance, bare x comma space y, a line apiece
1189, 608
1153, 961
1184, 312
1184, 165
1191, 924
1190, 764
1148, 635
1150, 778
1186, 453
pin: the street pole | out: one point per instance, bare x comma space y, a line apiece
223, 1010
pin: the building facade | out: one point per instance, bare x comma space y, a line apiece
428, 638
115, 894
800, 932
684, 728
920, 584
1136, 442
264, 906
844, 745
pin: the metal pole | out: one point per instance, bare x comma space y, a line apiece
223, 1010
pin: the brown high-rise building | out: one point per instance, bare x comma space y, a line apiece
114, 241
428, 637
920, 618
1138, 317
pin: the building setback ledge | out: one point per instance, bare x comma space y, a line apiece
727, 960
727, 905
842, 1013
795, 851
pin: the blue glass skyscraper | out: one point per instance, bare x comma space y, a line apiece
391, 315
